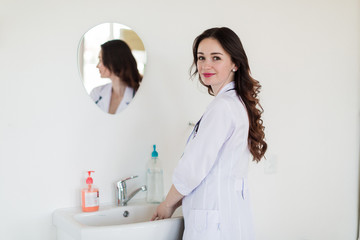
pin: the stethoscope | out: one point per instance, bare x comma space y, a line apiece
196, 127
96, 102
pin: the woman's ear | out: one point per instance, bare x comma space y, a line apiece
234, 68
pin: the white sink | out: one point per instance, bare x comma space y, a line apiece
110, 223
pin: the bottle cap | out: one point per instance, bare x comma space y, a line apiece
89, 180
154, 154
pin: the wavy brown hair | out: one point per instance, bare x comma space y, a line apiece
118, 58
247, 88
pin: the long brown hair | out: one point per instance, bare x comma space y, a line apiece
247, 88
117, 57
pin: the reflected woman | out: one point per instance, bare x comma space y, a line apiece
117, 63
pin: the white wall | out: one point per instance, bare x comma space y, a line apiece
305, 54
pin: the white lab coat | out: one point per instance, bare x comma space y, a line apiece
102, 96
212, 173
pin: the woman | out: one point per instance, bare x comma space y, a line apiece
117, 63
210, 179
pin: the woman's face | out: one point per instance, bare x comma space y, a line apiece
214, 64
104, 71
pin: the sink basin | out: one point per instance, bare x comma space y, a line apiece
117, 222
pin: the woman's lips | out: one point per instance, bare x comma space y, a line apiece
207, 75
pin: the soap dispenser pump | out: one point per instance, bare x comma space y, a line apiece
154, 177
90, 196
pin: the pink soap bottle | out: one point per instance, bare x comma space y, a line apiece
90, 196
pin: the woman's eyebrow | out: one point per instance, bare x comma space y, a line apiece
214, 53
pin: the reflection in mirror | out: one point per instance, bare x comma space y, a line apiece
111, 60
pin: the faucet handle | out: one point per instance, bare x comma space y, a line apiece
122, 182
131, 177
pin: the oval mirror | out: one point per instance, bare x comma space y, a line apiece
111, 60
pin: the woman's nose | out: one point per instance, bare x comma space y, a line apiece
207, 65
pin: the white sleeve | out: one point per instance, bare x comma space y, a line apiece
201, 153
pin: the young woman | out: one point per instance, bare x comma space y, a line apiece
210, 180
117, 63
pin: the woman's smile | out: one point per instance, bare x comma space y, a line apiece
207, 75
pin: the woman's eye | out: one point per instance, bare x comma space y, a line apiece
216, 58
201, 58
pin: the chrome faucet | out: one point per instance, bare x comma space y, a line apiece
122, 198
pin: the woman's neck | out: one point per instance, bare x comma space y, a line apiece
118, 86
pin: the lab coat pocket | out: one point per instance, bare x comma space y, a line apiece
204, 224
241, 187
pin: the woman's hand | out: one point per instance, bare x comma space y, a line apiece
167, 208
163, 211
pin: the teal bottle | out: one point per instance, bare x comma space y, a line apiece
154, 179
